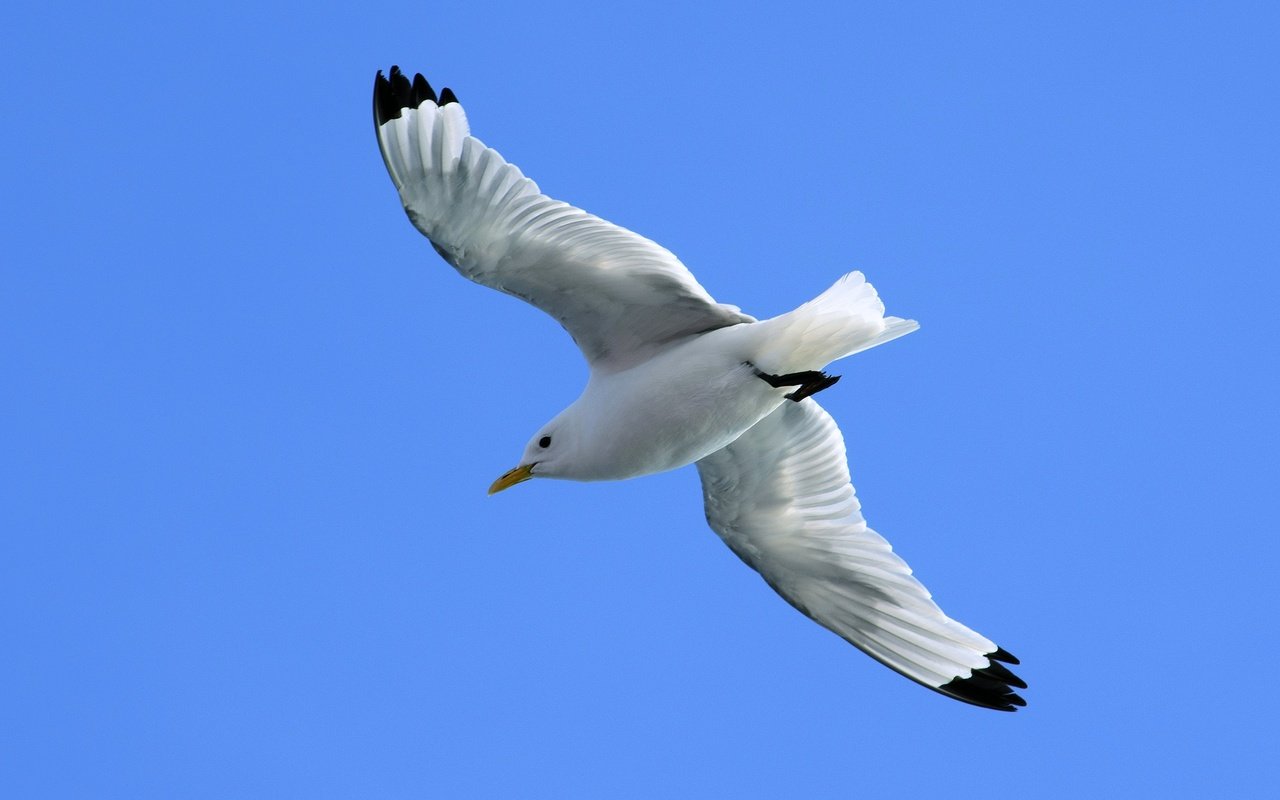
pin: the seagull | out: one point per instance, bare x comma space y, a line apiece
677, 378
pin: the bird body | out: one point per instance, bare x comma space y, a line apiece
677, 378
667, 412
700, 393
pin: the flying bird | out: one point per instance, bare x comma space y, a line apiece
677, 378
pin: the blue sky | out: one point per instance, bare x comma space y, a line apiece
250, 416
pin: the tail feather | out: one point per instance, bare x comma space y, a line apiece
893, 328
845, 319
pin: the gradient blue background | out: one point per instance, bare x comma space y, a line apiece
249, 416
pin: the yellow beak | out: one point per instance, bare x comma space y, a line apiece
511, 478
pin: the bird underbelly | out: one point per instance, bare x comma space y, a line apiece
658, 424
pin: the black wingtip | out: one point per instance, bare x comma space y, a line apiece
384, 104
1001, 672
422, 90
395, 92
1003, 655
989, 687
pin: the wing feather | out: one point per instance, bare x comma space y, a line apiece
622, 297
781, 498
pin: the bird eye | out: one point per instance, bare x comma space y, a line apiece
545, 441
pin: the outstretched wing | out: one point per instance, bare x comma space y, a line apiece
621, 296
781, 498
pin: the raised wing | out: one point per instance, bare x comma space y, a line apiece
780, 497
621, 296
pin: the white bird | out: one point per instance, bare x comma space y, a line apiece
677, 378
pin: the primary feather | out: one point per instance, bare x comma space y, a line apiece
621, 296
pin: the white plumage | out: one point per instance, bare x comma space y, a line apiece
677, 378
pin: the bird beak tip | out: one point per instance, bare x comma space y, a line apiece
511, 477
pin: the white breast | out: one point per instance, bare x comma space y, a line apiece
670, 411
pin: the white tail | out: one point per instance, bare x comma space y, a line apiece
845, 319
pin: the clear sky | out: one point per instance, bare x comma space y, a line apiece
249, 416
